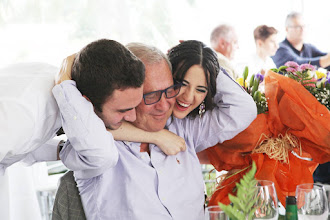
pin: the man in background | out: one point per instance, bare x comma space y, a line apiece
293, 47
224, 41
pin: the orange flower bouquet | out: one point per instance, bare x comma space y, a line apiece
289, 137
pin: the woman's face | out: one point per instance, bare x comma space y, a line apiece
193, 92
270, 45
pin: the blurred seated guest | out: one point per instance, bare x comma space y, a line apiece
266, 46
293, 47
29, 119
224, 41
322, 173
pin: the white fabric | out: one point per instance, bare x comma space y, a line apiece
18, 198
28, 112
228, 66
29, 118
256, 64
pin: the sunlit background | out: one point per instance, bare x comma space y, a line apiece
49, 30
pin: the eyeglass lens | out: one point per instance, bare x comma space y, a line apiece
154, 97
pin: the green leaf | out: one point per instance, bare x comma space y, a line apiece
251, 81
282, 68
274, 70
245, 74
243, 203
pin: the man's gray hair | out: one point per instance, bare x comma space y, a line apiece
221, 31
148, 54
290, 17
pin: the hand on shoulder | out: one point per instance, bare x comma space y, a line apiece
65, 71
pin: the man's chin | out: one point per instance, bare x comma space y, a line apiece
115, 126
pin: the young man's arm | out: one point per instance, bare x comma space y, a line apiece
234, 112
90, 149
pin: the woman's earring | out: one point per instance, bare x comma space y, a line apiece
201, 109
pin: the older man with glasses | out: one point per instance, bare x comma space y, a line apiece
293, 47
139, 181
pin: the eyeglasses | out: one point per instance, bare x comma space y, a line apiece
300, 27
154, 97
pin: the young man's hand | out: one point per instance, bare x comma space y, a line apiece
65, 71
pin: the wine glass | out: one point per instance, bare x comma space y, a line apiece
267, 203
312, 202
215, 213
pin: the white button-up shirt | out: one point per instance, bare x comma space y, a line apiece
29, 116
117, 181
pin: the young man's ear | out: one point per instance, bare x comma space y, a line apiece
259, 42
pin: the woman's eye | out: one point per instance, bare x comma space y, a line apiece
184, 84
201, 90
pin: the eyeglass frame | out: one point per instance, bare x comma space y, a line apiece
300, 27
161, 93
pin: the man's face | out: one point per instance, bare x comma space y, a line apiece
295, 30
153, 117
230, 46
269, 46
120, 106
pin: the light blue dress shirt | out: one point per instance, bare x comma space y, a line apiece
117, 181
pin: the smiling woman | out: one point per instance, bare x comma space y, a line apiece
196, 66
193, 92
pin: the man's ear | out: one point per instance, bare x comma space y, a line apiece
86, 98
259, 42
222, 43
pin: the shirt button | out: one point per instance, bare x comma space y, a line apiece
142, 157
74, 117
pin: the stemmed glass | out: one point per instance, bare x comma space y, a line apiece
215, 213
312, 202
267, 203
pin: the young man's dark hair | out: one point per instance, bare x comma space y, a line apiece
104, 66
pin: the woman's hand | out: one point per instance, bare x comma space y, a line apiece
65, 71
168, 142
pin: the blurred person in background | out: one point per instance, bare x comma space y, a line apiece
293, 47
224, 41
265, 38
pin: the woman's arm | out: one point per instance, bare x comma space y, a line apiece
168, 142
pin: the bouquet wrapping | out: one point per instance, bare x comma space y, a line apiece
294, 116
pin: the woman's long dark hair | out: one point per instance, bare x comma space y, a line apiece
192, 52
